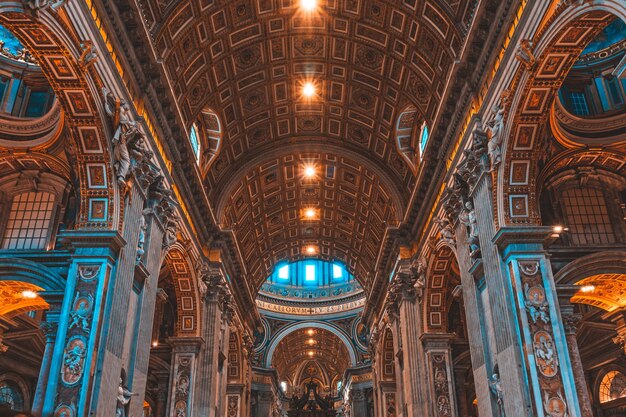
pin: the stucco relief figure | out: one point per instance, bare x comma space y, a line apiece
524, 53
123, 398
124, 128
443, 406
89, 54
545, 354
182, 385
468, 218
446, 230
495, 132
73, 361
536, 304
80, 315
555, 406
496, 389
180, 409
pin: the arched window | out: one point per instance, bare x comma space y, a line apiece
195, 142
587, 216
612, 387
29, 221
11, 396
423, 139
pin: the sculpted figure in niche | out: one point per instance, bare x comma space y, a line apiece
496, 389
468, 218
495, 131
123, 398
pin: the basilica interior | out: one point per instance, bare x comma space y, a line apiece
313, 208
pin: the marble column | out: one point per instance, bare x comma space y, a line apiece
570, 324
208, 388
49, 327
438, 350
548, 368
265, 399
183, 375
84, 322
358, 399
461, 392
411, 327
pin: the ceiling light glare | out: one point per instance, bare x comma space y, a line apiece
310, 213
309, 172
308, 90
29, 294
308, 5
310, 250
588, 288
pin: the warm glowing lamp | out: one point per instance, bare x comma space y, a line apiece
310, 250
310, 213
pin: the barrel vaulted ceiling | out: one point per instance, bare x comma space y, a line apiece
305, 347
369, 60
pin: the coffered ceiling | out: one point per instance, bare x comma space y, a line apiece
368, 61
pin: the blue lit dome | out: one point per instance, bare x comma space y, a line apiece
310, 281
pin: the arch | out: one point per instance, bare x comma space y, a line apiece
81, 107
210, 136
282, 333
387, 362
408, 135
184, 279
608, 262
601, 278
235, 363
17, 269
557, 46
436, 290
600, 378
18, 381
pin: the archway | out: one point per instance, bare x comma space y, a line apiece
47, 40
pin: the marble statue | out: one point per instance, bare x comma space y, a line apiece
468, 218
123, 398
496, 389
495, 131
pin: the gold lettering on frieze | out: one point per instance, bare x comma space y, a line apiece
337, 308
